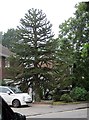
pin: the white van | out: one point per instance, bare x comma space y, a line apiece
14, 96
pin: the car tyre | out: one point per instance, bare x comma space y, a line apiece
16, 103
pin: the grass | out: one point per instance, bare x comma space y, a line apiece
56, 103
51, 102
62, 103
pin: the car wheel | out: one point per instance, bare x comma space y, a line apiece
16, 103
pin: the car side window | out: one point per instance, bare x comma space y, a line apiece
4, 90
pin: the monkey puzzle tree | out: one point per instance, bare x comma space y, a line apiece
36, 48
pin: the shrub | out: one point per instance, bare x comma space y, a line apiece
66, 98
56, 95
56, 98
78, 94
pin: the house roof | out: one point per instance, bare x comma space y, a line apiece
4, 51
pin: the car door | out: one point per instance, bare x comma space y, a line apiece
7, 95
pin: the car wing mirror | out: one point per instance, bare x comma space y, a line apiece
8, 92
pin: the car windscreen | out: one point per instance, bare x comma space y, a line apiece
15, 89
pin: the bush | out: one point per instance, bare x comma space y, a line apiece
66, 98
59, 92
56, 98
78, 94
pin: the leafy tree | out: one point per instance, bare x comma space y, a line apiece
82, 37
74, 31
64, 56
9, 38
36, 48
14, 69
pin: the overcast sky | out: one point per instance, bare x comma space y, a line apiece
11, 11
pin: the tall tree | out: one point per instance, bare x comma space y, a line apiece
75, 30
81, 37
36, 48
9, 38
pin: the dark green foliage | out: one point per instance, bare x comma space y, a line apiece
56, 97
15, 70
78, 94
81, 23
24, 87
59, 92
72, 67
9, 38
66, 98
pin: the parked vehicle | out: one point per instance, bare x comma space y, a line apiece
14, 96
6, 113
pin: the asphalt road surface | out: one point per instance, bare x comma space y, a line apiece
66, 114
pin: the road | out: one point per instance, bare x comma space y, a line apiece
66, 114
49, 111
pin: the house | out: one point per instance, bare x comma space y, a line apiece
4, 53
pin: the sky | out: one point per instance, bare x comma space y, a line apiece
11, 11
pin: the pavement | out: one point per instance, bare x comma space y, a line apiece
39, 109
65, 107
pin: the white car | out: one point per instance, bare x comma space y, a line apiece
14, 96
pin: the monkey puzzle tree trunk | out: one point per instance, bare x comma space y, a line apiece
37, 92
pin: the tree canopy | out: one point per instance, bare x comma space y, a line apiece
9, 38
73, 35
